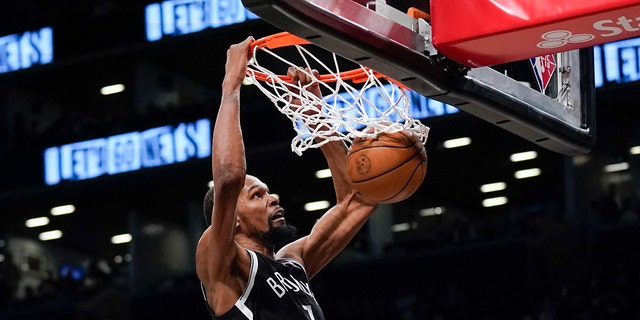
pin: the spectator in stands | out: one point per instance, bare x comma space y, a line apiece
607, 205
9, 277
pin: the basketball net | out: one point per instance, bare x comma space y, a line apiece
355, 103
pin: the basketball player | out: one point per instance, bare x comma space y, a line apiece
242, 274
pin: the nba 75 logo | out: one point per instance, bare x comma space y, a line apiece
543, 68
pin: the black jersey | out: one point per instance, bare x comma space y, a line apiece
276, 289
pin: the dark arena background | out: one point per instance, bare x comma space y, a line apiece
106, 111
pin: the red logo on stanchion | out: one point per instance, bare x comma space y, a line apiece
543, 68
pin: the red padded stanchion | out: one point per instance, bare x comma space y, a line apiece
480, 33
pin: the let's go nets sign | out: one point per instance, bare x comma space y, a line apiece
128, 152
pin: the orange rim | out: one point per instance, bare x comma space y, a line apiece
284, 39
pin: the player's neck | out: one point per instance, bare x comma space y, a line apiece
254, 245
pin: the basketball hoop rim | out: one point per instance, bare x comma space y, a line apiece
285, 39
343, 109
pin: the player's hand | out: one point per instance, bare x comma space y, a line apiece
308, 80
236, 66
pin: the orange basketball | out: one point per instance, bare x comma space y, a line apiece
388, 168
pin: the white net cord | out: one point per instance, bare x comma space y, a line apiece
344, 112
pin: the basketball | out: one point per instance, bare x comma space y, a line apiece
388, 168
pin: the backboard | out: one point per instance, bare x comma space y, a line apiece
547, 100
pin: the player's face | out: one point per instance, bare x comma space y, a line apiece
259, 211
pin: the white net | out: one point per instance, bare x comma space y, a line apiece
350, 108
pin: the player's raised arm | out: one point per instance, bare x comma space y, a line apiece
217, 253
337, 227
334, 151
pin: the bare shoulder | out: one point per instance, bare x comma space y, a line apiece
224, 278
201, 255
293, 251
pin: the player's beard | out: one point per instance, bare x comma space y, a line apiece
279, 236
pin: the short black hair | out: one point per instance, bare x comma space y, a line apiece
207, 206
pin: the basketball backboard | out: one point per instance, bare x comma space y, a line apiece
527, 98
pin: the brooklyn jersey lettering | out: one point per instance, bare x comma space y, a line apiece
276, 290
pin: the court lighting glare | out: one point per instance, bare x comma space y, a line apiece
581, 159
61, 210
316, 205
401, 227
634, 150
324, 173
37, 222
455, 143
120, 259
492, 187
431, 211
50, 235
523, 156
527, 173
493, 202
615, 167
112, 89
121, 238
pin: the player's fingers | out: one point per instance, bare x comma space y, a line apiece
302, 79
293, 74
242, 47
310, 77
291, 71
306, 76
247, 42
301, 76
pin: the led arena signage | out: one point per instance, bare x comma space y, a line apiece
617, 62
179, 17
128, 152
420, 107
24, 50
